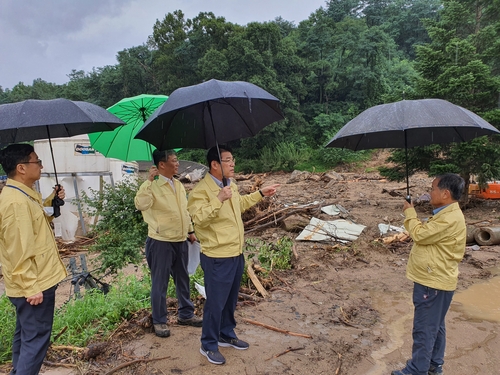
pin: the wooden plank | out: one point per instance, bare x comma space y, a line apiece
256, 282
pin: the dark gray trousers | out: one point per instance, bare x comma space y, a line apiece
32, 334
165, 259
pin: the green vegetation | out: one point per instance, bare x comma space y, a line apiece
96, 314
7, 326
88, 319
344, 58
121, 231
270, 255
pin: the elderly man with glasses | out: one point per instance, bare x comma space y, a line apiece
32, 267
438, 248
216, 207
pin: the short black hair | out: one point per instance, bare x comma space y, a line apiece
214, 155
452, 182
15, 154
161, 156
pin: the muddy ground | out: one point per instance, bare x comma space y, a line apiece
347, 308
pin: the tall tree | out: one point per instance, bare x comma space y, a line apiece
452, 68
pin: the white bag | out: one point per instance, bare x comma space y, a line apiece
194, 257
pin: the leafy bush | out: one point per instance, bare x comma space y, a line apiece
7, 326
283, 156
271, 255
121, 231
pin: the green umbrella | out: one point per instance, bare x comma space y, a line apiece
120, 144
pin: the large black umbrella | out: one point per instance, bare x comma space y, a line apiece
30, 120
411, 123
212, 112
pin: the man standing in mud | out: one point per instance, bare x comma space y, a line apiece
162, 201
32, 267
439, 246
216, 206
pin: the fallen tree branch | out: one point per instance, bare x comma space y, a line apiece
295, 252
275, 217
256, 282
59, 334
280, 279
286, 351
67, 347
123, 365
276, 329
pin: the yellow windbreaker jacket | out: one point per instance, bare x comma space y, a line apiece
164, 210
218, 226
28, 250
439, 246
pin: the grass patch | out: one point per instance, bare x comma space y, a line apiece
271, 255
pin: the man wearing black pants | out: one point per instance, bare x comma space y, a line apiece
162, 200
30, 259
438, 248
216, 207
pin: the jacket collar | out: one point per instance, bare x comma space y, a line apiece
451, 207
30, 192
211, 182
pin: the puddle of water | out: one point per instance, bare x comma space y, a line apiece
394, 323
480, 301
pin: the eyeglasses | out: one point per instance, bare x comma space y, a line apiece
232, 160
39, 162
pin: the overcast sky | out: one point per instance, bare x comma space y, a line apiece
48, 38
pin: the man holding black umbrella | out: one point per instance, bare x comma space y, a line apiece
216, 207
439, 245
30, 259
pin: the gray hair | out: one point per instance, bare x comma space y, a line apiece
452, 182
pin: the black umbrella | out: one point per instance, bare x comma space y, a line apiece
45, 119
411, 123
212, 112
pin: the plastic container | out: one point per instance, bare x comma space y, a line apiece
123, 170
73, 154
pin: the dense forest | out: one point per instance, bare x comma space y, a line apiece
347, 56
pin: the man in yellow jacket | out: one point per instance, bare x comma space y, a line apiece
216, 206
31, 265
162, 200
439, 246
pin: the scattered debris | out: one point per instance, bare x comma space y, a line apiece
297, 176
334, 209
385, 228
337, 230
473, 248
273, 217
400, 237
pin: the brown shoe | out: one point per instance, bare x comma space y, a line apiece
161, 330
194, 321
